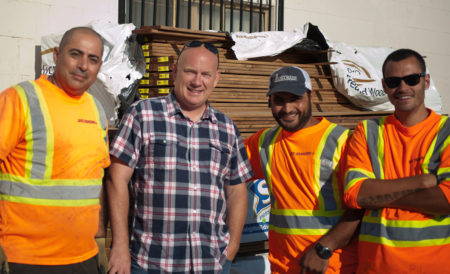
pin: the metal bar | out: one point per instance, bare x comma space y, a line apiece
260, 15
251, 16
121, 11
142, 13
241, 14
281, 15
221, 15
177, 16
189, 15
270, 15
167, 12
200, 10
210, 14
231, 15
155, 11
130, 9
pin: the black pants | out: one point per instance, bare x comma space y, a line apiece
87, 267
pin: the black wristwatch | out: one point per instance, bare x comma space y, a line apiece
323, 251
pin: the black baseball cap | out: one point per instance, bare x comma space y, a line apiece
289, 79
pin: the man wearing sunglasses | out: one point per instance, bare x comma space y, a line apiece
398, 169
188, 166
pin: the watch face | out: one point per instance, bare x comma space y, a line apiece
323, 251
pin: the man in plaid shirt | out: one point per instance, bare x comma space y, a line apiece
188, 166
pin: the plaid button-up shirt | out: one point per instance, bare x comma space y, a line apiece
181, 168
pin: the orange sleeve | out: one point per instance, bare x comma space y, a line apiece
12, 126
251, 145
357, 166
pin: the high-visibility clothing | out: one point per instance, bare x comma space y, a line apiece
53, 149
396, 240
306, 195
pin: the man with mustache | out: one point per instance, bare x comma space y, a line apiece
310, 229
53, 149
398, 169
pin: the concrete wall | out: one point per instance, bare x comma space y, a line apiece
23, 22
420, 25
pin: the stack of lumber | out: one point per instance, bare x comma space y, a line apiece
241, 91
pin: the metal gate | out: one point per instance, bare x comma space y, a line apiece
220, 15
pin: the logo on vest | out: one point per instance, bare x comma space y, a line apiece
85, 121
293, 153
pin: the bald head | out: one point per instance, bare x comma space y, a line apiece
67, 37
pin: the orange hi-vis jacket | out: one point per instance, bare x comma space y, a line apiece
396, 240
306, 195
53, 149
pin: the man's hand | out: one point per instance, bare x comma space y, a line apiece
119, 260
312, 263
232, 250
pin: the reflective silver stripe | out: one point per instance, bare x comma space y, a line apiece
441, 137
411, 234
264, 156
352, 175
102, 115
372, 143
443, 177
304, 222
39, 132
264, 150
53, 192
326, 168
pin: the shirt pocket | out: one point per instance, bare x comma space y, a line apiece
220, 158
158, 154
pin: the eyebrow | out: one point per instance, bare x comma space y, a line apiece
82, 52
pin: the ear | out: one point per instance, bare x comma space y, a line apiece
311, 97
174, 70
427, 81
216, 81
384, 85
55, 54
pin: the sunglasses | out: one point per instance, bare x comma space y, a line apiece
196, 44
411, 80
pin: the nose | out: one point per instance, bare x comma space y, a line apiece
197, 80
288, 107
83, 63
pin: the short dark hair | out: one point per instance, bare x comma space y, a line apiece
68, 36
402, 54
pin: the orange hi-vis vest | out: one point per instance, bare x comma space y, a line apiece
306, 197
395, 240
46, 219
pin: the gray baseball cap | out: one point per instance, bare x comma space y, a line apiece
289, 79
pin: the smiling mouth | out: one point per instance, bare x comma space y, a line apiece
402, 97
79, 77
288, 117
195, 91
